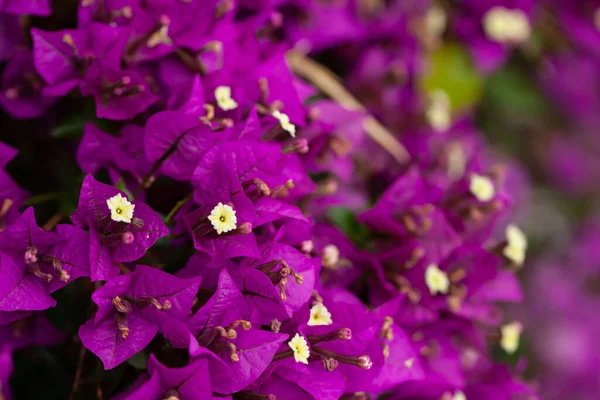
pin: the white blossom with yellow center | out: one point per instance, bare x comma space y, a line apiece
300, 348
509, 26
436, 280
438, 113
224, 99
160, 37
516, 245
121, 210
223, 218
511, 335
284, 121
482, 187
319, 315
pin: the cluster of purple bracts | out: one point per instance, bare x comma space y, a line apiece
275, 302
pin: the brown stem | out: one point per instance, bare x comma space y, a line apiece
330, 84
55, 219
77, 380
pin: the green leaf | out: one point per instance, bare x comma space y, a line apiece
139, 360
346, 221
122, 187
452, 71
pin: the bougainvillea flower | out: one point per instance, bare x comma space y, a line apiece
63, 57
131, 308
119, 95
22, 87
114, 241
37, 263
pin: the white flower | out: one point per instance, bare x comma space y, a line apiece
284, 121
482, 187
436, 280
516, 247
511, 335
331, 255
438, 112
504, 25
121, 210
223, 218
300, 348
224, 99
319, 315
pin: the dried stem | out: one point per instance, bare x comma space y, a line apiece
329, 84
55, 219
77, 380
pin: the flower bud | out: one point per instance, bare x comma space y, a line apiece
127, 237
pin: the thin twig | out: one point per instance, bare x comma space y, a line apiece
55, 219
77, 380
176, 208
330, 84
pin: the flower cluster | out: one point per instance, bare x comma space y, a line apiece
219, 170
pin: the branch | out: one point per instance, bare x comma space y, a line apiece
329, 84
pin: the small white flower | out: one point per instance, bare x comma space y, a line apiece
223, 218
436, 280
319, 315
516, 247
224, 99
508, 26
331, 255
121, 210
408, 363
482, 187
284, 121
300, 348
438, 113
511, 335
